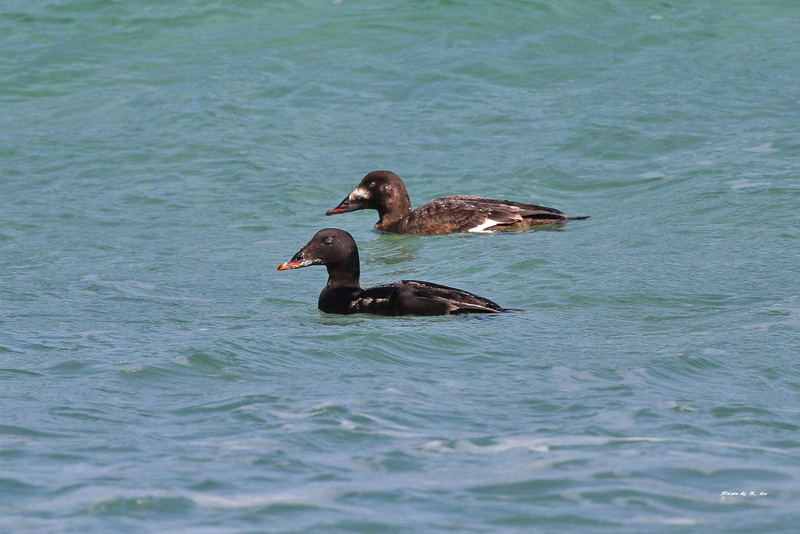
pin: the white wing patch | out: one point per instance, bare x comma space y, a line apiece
483, 227
368, 301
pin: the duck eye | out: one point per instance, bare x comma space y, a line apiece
328, 240
371, 185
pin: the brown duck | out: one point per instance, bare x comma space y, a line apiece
385, 192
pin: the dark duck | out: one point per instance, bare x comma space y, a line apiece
385, 192
337, 250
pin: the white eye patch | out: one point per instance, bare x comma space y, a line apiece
359, 193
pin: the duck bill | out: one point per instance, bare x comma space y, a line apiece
345, 206
296, 262
291, 265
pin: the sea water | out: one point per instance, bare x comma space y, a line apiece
159, 160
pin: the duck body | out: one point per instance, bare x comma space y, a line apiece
337, 250
385, 192
406, 297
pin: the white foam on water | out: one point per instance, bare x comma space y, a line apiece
766, 147
744, 183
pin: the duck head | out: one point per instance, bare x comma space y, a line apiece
378, 190
331, 247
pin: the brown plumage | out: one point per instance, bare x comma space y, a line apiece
385, 192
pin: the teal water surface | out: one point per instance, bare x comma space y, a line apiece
158, 161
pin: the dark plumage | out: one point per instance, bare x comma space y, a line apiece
384, 191
337, 250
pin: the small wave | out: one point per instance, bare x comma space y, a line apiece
549, 443
762, 149
744, 183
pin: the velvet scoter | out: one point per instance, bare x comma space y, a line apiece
337, 250
385, 192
